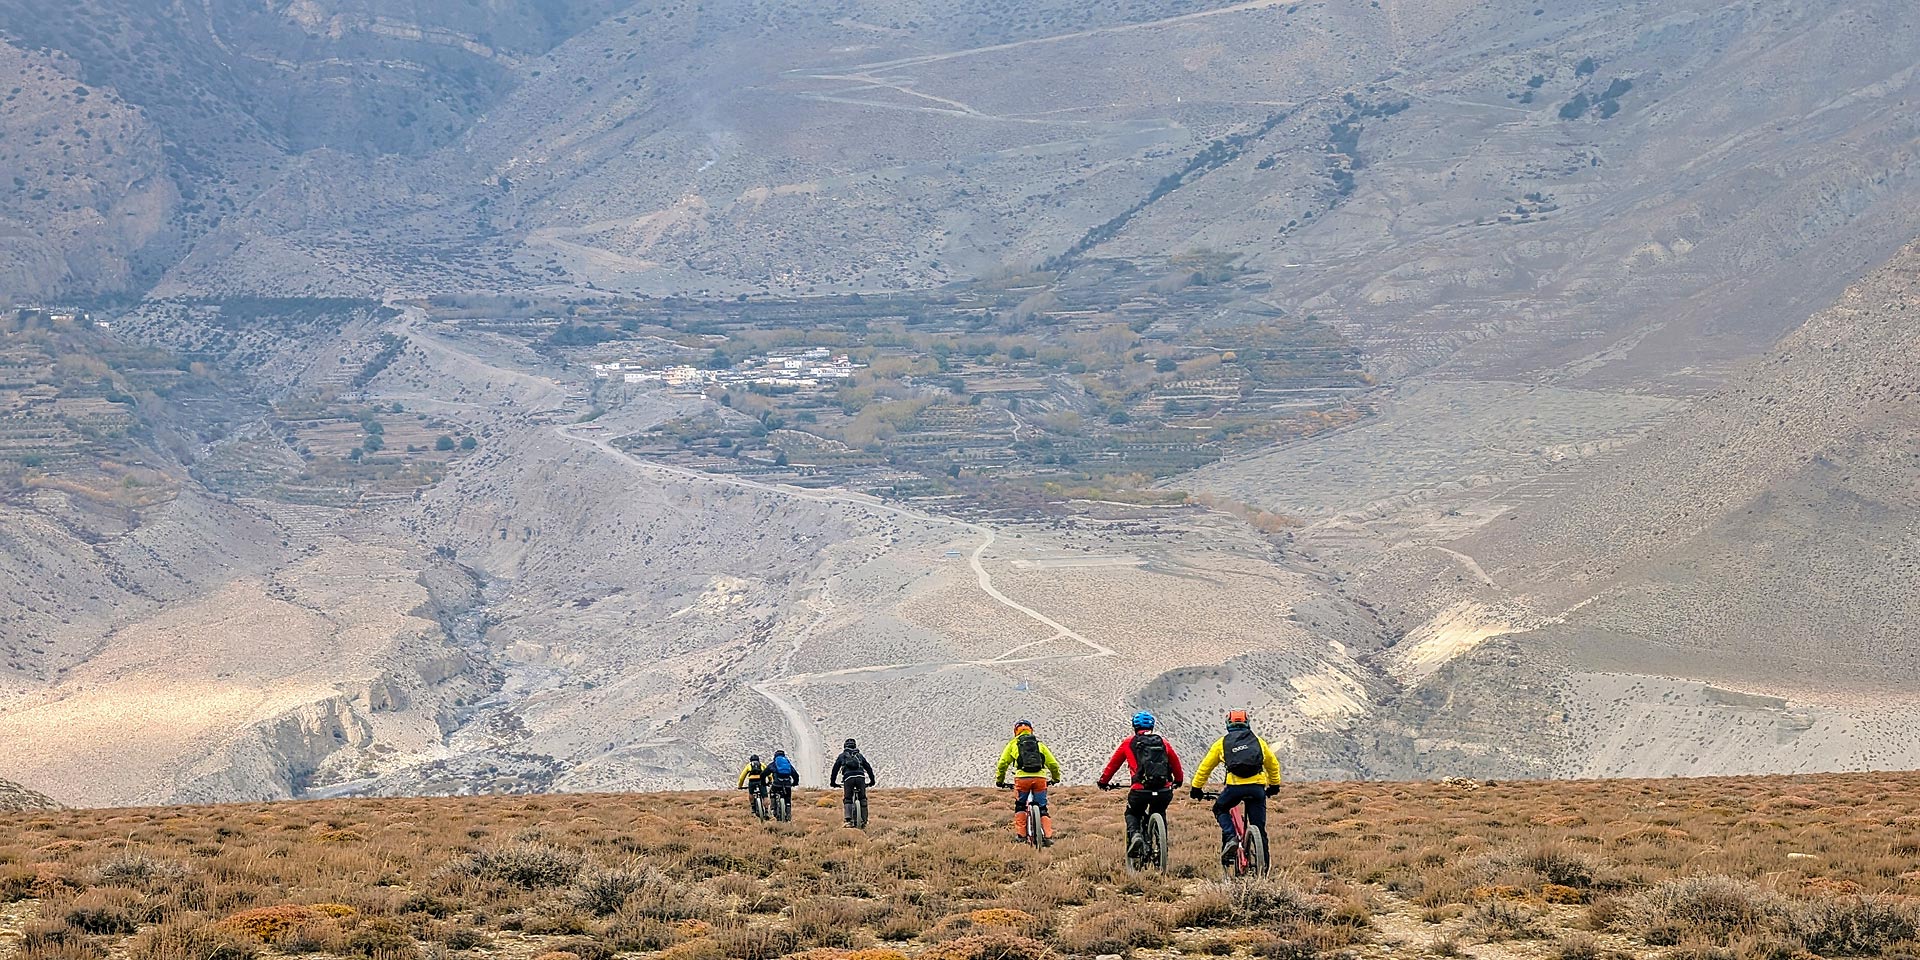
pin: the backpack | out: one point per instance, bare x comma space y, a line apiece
1029, 757
1154, 771
783, 766
852, 764
1241, 751
755, 771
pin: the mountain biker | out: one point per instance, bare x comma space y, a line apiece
853, 774
1155, 771
753, 779
1252, 774
1034, 769
782, 777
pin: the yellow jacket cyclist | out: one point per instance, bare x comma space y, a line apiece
1033, 769
753, 777
1253, 775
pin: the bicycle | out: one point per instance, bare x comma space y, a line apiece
859, 802
1153, 852
757, 799
1250, 846
1036, 828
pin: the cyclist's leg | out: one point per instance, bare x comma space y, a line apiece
860, 794
1138, 802
1020, 797
1040, 799
1157, 802
846, 799
1223, 812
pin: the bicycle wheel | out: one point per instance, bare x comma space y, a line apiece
1253, 849
1237, 867
1034, 829
1157, 842
783, 808
860, 808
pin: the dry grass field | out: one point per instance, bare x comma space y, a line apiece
1734, 868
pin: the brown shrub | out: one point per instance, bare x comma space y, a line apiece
756, 943
1713, 907
190, 939
1500, 920
1555, 893
828, 921
319, 936
139, 870
113, 912
59, 940
1117, 929
989, 946
631, 933
268, 924
604, 891
382, 938
523, 864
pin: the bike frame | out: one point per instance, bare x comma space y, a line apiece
1243, 865
1239, 816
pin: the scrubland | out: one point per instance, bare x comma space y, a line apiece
1734, 868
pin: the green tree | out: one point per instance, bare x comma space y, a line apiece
468, 443
443, 444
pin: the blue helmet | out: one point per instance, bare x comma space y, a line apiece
1143, 721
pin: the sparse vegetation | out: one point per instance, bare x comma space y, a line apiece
1692, 866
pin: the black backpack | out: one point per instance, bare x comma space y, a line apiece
1241, 751
1029, 756
1155, 771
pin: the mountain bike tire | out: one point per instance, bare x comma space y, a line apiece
1157, 853
1253, 851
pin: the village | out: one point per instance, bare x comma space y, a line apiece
790, 369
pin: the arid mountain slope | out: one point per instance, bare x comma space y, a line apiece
1732, 593
1593, 193
14, 797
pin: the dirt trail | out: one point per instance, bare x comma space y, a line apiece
867, 68
809, 753
807, 745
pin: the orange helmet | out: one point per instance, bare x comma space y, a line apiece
1022, 726
1237, 716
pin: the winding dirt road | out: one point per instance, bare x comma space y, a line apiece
809, 754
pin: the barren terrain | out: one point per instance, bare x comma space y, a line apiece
1737, 868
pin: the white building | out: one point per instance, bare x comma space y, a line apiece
685, 376
603, 371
